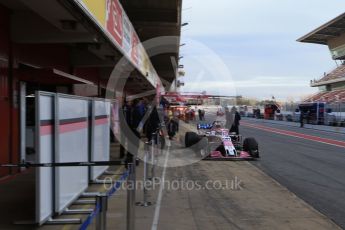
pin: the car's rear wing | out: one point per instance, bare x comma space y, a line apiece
204, 126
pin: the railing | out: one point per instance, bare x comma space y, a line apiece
98, 217
316, 81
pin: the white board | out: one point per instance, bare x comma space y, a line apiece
44, 154
100, 136
72, 146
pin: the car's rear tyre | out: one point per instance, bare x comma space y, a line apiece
251, 146
191, 138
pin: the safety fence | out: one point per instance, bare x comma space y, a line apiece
72, 152
151, 151
68, 129
99, 213
97, 219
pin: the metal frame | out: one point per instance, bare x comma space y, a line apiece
131, 181
145, 203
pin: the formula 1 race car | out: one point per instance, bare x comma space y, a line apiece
214, 142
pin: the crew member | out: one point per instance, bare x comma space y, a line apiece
236, 117
200, 114
301, 119
126, 112
171, 128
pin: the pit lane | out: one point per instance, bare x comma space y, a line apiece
262, 203
308, 167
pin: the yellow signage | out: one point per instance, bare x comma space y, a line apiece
97, 8
110, 15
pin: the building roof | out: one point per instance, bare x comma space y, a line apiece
331, 29
337, 75
154, 19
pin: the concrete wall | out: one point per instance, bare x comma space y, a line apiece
336, 42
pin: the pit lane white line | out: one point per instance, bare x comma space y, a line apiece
160, 194
295, 134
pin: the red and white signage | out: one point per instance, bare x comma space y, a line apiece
135, 48
114, 21
127, 35
119, 27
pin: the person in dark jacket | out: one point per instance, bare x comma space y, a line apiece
236, 117
152, 123
301, 119
126, 112
171, 128
200, 114
135, 117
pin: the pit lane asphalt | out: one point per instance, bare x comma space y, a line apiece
262, 203
313, 171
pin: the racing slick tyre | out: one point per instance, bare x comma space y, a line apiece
191, 138
251, 146
202, 148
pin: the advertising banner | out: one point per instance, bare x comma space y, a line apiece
111, 17
97, 9
114, 20
135, 48
127, 35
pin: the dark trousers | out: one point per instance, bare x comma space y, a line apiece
122, 148
302, 123
133, 148
234, 129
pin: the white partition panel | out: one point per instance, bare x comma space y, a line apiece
72, 146
44, 154
100, 136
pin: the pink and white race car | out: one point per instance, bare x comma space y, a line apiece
214, 142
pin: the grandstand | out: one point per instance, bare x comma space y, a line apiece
331, 85
328, 96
